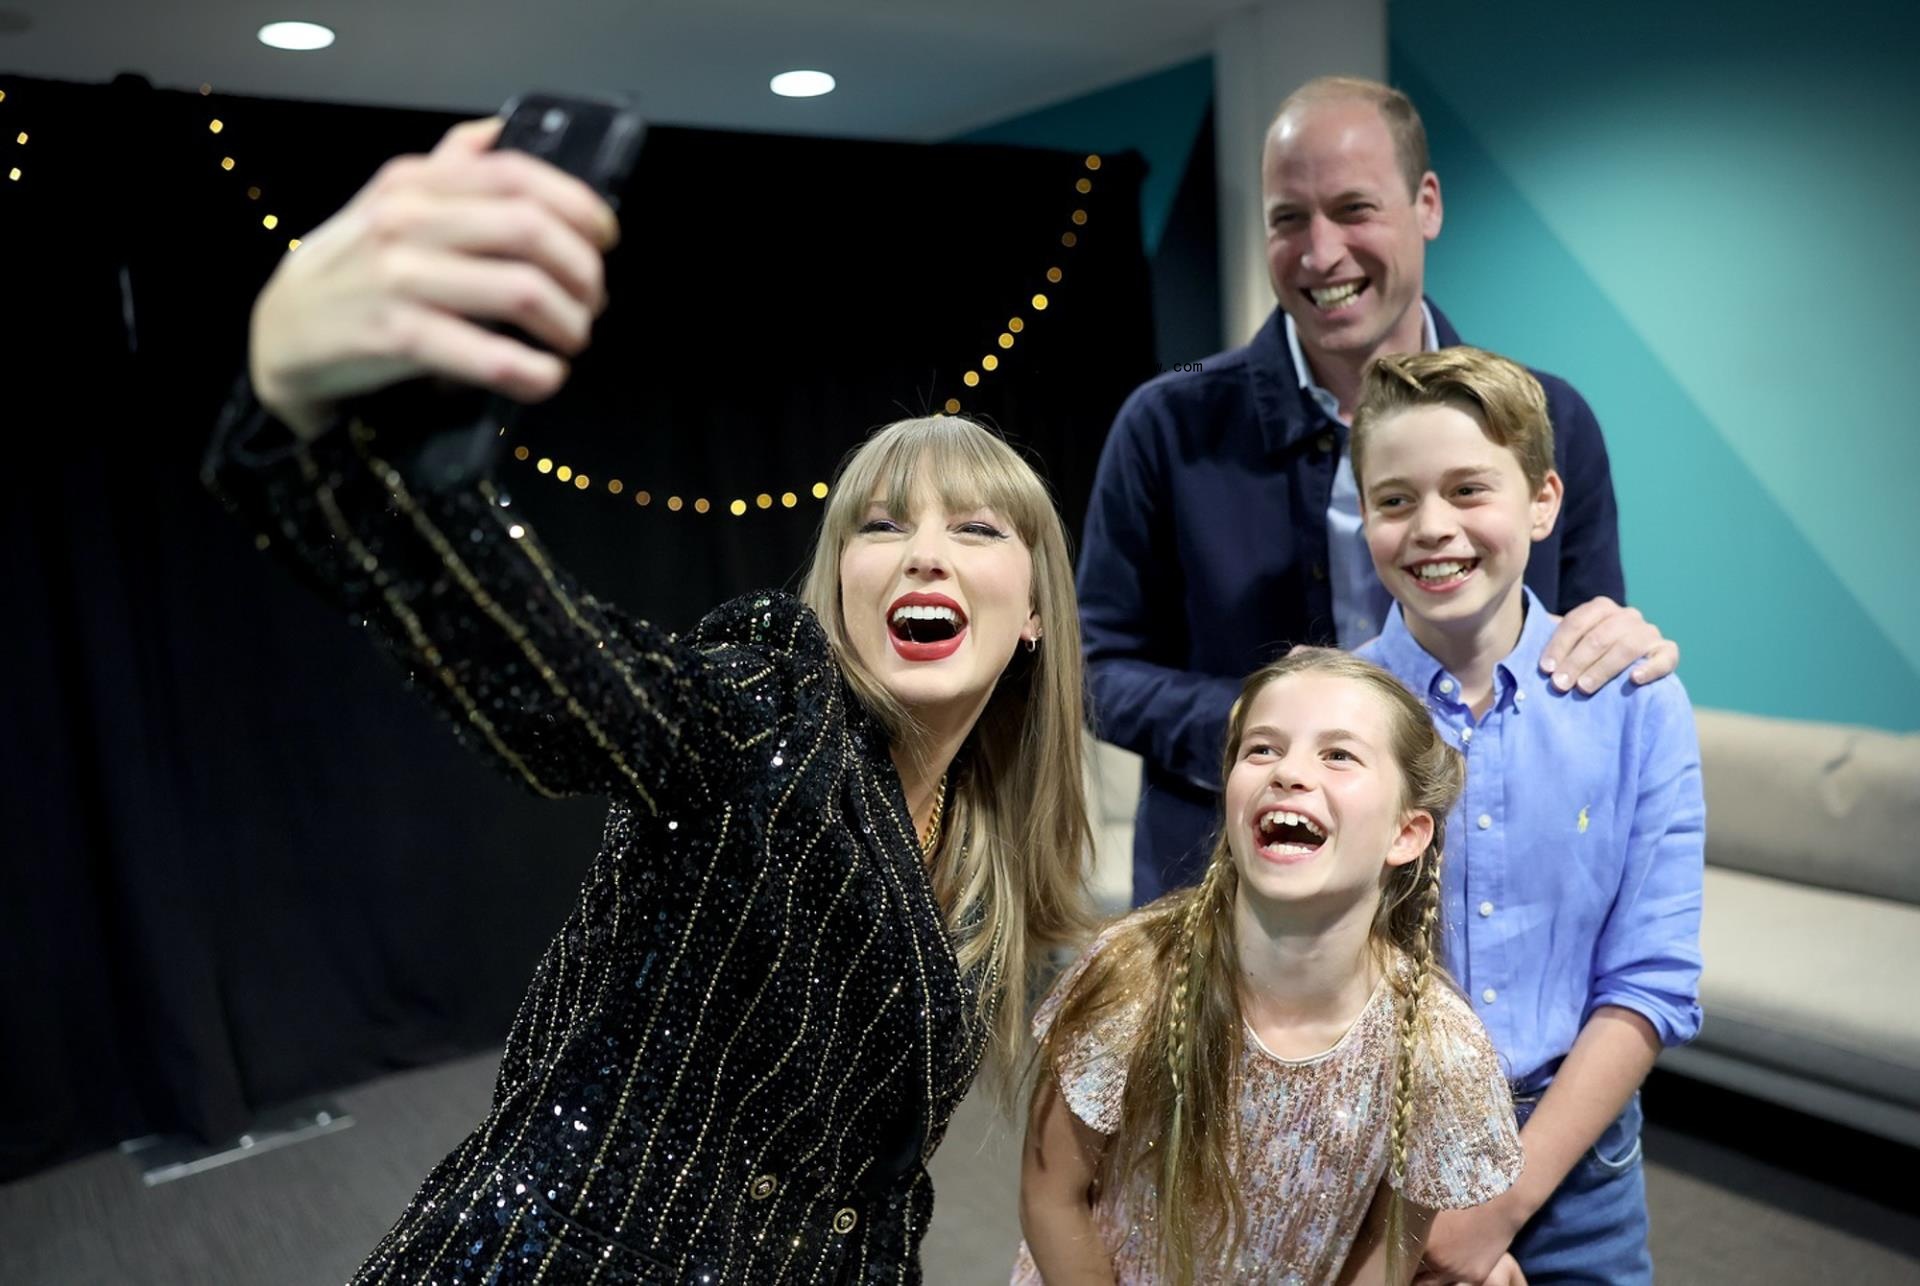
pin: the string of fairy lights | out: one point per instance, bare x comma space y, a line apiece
989, 364
973, 377
216, 127
14, 172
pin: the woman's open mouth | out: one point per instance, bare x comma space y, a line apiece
925, 627
1284, 836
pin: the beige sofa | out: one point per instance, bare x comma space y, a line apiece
1811, 930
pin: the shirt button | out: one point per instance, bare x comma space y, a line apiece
1489, 995
1483, 821
1519, 696
1486, 909
1319, 572
844, 1221
1324, 442
1466, 734
1446, 685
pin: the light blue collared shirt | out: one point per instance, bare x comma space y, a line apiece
1360, 602
1572, 869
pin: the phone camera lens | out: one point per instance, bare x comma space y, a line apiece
554, 121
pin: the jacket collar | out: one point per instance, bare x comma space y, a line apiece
1287, 413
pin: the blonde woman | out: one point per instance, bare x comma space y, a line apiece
1267, 1079
842, 828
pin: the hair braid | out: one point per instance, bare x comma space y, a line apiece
1203, 935
1192, 952
1400, 1126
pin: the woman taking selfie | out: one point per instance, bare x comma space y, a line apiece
843, 828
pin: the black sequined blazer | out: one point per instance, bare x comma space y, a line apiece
747, 1037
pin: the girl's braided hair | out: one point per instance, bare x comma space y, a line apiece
1179, 957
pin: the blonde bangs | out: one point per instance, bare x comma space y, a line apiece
966, 466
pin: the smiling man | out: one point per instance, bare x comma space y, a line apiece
1224, 525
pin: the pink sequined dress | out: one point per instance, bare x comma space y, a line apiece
1313, 1134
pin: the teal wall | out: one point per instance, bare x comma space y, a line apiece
1158, 116
1705, 216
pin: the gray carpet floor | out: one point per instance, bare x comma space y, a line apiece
305, 1214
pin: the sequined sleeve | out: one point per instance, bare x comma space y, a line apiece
1464, 1147
561, 691
1092, 1069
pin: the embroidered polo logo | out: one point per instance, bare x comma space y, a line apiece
1583, 821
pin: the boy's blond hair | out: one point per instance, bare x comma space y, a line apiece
1501, 395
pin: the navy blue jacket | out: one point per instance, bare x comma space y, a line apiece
1206, 557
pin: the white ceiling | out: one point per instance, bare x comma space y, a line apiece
908, 69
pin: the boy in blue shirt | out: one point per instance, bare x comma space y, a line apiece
1571, 885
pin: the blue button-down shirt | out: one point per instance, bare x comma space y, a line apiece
1360, 601
1573, 863
1206, 556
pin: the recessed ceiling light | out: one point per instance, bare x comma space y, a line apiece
296, 35
801, 84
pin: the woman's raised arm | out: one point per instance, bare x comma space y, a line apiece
566, 695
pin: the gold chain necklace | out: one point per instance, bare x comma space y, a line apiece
932, 840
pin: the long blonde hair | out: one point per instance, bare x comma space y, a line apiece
1013, 859
1180, 953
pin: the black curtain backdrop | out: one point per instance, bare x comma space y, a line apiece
240, 865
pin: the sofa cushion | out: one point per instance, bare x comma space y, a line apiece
1814, 803
1813, 982
1113, 780
1113, 790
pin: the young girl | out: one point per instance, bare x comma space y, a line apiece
1262, 1078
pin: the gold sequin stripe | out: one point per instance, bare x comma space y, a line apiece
820, 1263
693, 1038
848, 756
542, 1022
839, 1144
906, 1213
759, 1159
855, 1064
638, 1058
981, 1013
532, 552
726, 1053
767, 1143
919, 958
866, 1242
800, 772
506, 1241
535, 555
416, 633
579, 1002
515, 631
498, 1114
706, 1126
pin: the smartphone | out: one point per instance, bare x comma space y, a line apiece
596, 140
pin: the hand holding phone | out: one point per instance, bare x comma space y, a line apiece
595, 140
397, 307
